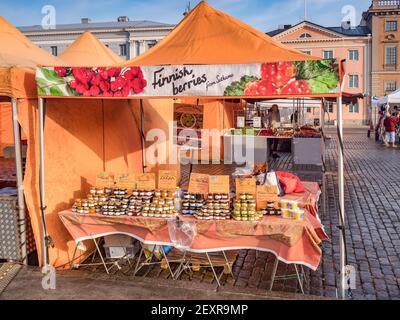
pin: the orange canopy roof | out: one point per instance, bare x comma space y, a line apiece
208, 36
87, 50
16, 50
18, 58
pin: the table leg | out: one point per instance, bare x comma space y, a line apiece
227, 263
182, 266
101, 256
213, 270
273, 274
138, 261
73, 257
166, 260
299, 279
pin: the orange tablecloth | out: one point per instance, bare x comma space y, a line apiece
290, 241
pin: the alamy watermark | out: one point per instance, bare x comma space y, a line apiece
49, 20
49, 277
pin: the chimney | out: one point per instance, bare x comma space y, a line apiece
284, 26
85, 20
123, 19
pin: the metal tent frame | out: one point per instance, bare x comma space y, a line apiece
20, 178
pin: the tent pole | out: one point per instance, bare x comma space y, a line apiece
20, 186
341, 197
41, 180
144, 166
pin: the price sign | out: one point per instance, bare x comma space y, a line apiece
240, 122
246, 186
104, 180
257, 122
198, 183
219, 184
126, 181
264, 195
146, 181
167, 179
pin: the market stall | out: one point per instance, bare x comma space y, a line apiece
18, 98
292, 132
174, 70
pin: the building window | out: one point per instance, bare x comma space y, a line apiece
353, 55
151, 44
327, 54
329, 106
390, 86
123, 50
353, 81
391, 56
354, 108
306, 52
305, 35
54, 50
391, 25
309, 110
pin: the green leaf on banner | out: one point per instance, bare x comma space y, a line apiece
41, 82
56, 91
41, 91
52, 76
71, 92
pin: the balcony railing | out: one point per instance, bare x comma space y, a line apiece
386, 4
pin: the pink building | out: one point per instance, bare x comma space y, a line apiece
352, 44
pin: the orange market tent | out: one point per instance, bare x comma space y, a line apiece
18, 58
205, 37
87, 50
208, 36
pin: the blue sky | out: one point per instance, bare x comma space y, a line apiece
265, 15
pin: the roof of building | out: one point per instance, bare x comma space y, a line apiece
99, 25
349, 32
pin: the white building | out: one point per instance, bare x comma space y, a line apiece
126, 38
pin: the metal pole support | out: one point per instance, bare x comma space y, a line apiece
20, 185
41, 116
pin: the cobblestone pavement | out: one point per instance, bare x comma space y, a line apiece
372, 203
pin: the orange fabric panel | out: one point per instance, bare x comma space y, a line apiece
87, 50
27, 111
17, 82
75, 152
205, 36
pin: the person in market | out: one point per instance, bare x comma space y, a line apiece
380, 128
390, 124
294, 118
274, 122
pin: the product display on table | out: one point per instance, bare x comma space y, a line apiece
120, 202
273, 209
245, 209
291, 210
192, 204
217, 207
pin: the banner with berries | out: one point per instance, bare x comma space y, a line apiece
302, 78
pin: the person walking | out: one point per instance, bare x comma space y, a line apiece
274, 122
390, 123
